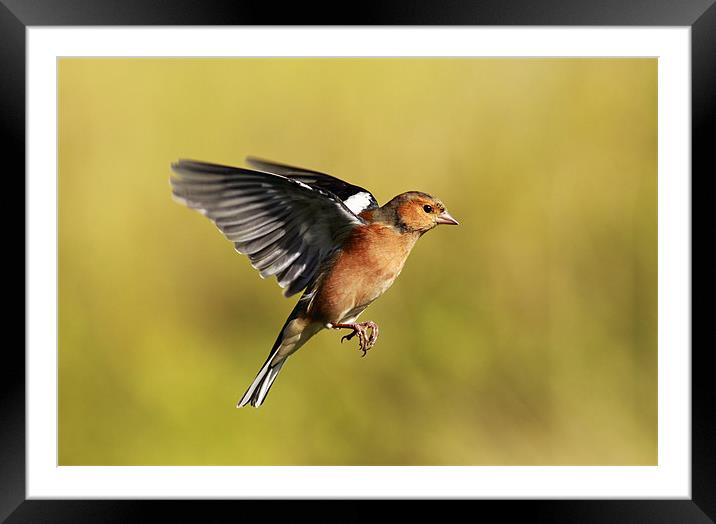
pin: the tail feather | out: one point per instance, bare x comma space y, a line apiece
295, 332
259, 388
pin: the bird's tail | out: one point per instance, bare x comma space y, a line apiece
295, 332
259, 388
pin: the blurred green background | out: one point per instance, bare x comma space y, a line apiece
525, 336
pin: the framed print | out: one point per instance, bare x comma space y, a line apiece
539, 349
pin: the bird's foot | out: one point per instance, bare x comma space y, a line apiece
365, 341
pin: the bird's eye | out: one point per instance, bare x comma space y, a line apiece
428, 209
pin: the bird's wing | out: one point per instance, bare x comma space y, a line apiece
355, 198
286, 227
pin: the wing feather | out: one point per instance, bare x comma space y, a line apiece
355, 198
285, 226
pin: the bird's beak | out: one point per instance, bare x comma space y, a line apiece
445, 218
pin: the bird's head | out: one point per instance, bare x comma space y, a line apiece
419, 212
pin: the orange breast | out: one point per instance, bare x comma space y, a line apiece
370, 261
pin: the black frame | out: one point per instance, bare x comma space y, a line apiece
15, 15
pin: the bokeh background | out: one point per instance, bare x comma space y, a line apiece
525, 336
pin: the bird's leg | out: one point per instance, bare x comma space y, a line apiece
365, 341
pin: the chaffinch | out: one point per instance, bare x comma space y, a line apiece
313, 232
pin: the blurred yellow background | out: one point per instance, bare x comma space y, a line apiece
524, 336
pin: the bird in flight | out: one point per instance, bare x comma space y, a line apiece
315, 233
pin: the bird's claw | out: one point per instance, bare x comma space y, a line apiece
365, 341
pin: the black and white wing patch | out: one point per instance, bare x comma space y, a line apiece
283, 225
355, 198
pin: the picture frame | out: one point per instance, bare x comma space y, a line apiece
16, 16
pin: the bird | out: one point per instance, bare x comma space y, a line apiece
314, 233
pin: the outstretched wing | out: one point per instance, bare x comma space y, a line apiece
285, 226
355, 198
